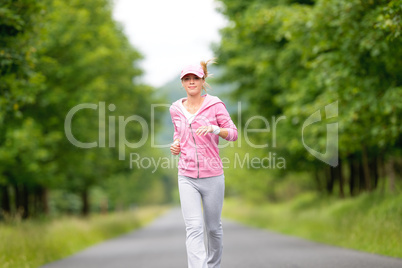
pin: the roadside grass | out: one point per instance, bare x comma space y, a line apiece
371, 222
33, 243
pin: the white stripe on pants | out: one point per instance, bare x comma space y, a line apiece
211, 191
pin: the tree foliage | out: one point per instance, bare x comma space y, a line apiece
293, 58
54, 56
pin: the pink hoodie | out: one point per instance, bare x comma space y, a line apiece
200, 154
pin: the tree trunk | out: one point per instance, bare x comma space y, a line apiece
44, 200
391, 175
25, 201
317, 180
330, 179
340, 177
366, 169
5, 199
85, 202
17, 199
362, 181
374, 171
381, 174
352, 175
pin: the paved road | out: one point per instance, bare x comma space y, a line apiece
162, 245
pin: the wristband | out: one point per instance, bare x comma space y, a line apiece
216, 129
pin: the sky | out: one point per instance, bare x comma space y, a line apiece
169, 33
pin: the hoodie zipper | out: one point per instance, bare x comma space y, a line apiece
196, 154
191, 129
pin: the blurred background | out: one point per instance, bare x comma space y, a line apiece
274, 58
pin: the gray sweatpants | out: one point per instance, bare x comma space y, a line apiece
211, 191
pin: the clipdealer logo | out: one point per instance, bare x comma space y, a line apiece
122, 123
330, 156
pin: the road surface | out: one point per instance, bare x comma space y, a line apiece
162, 245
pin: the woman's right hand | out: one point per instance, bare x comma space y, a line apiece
175, 147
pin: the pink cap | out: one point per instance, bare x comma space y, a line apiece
192, 69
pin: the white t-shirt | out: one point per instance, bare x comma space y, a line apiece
190, 117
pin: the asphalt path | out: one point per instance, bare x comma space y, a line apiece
162, 245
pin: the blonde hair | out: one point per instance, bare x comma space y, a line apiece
204, 65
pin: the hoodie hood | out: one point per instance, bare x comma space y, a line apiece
208, 102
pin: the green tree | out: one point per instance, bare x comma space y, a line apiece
20, 83
293, 58
81, 56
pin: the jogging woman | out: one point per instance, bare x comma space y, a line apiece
199, 120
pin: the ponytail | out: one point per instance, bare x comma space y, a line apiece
204, 65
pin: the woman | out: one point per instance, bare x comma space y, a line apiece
199, 121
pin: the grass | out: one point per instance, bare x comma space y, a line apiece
371, 222
33, 243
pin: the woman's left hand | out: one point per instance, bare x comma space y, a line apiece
204, 130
